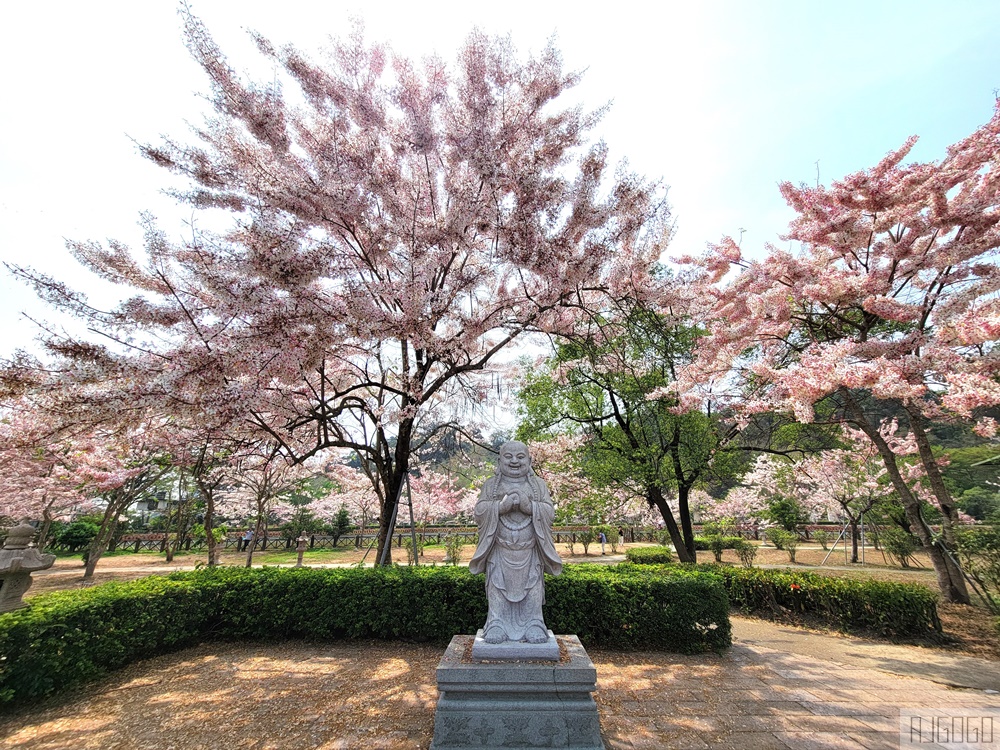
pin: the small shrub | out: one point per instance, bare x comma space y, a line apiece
785, 540
785, 513
586, 537
663, 538
791, 544
899, 545
340, 526
746, 552
728, 527
77, 534
775, 536
823, 537
704, 543
408, 546
650, 555
711, 528
453, 544
717, 544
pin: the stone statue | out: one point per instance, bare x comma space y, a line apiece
514, 514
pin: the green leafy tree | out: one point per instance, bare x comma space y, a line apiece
78, 534
979, 550
980, 503
785, 512
340, 525
611, 382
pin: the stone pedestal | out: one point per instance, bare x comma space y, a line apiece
516, 704
17, 562
517, 651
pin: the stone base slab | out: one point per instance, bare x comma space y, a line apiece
515, 650
516, 704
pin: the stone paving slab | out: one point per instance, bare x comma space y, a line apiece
806, 695
854, 653
761, 698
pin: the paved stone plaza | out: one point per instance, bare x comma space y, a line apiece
817, 691
755, 697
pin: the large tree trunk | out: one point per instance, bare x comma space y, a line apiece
949, 513
388, 508
43, 531
684, 511
854, 540
654, 496
207, 486
209, 496
684, 484
951, 582
393, 477
169, 547
258, 530
116, 505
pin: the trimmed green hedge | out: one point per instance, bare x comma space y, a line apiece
649, 555
704, 543
663, 555
630, 607
884, 607
848, 604
66, 638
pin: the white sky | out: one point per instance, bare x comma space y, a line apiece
719, 99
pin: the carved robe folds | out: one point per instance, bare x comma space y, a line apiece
514, 550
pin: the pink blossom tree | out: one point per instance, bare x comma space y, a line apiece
852, 481
394, 228
891, 299
774, 482
118, 469
437, 497
742, 505
259, 482
38, 469
351, 488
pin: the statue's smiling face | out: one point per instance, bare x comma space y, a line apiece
514, 460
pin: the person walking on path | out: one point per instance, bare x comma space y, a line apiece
604, 540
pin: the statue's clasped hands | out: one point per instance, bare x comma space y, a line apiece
515, 501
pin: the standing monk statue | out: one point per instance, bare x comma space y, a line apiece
514, 514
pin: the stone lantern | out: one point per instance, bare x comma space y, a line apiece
303, 541
17, 562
